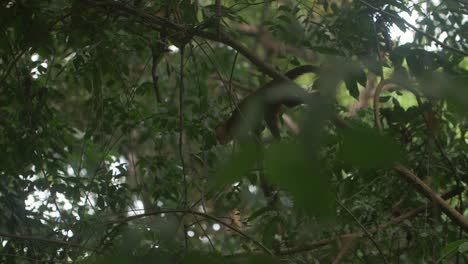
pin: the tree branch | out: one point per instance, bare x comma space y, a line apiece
371, 230
422, 187
222, 37
195, 213
428, 192
364, 231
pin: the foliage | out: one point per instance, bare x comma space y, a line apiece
108, 112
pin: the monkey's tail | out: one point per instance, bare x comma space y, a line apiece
300, 70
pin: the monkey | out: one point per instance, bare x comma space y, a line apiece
265, 103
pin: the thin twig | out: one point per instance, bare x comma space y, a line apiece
181, 136
204, 233
220, 76
61, 18
364, 229
232, 74
186, 238
181, 123
13, 63
204, 215
157, 52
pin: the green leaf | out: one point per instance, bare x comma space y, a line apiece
290, 167
463, 247
453, 248
366, 148
284, 18
189, 14
284, 8
384, 99
352, 87
258, 213
396, 19
325, 50
240, 163
361, 77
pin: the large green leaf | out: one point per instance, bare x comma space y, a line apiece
292, 168
366, 148
459, 246
237, 166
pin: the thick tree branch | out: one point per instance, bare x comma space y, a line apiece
252, 57
422, 187
428, 192
347, 244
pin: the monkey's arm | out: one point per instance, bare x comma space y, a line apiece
267, 100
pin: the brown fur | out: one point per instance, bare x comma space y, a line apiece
267, 100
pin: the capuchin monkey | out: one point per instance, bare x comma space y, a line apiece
265, 104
